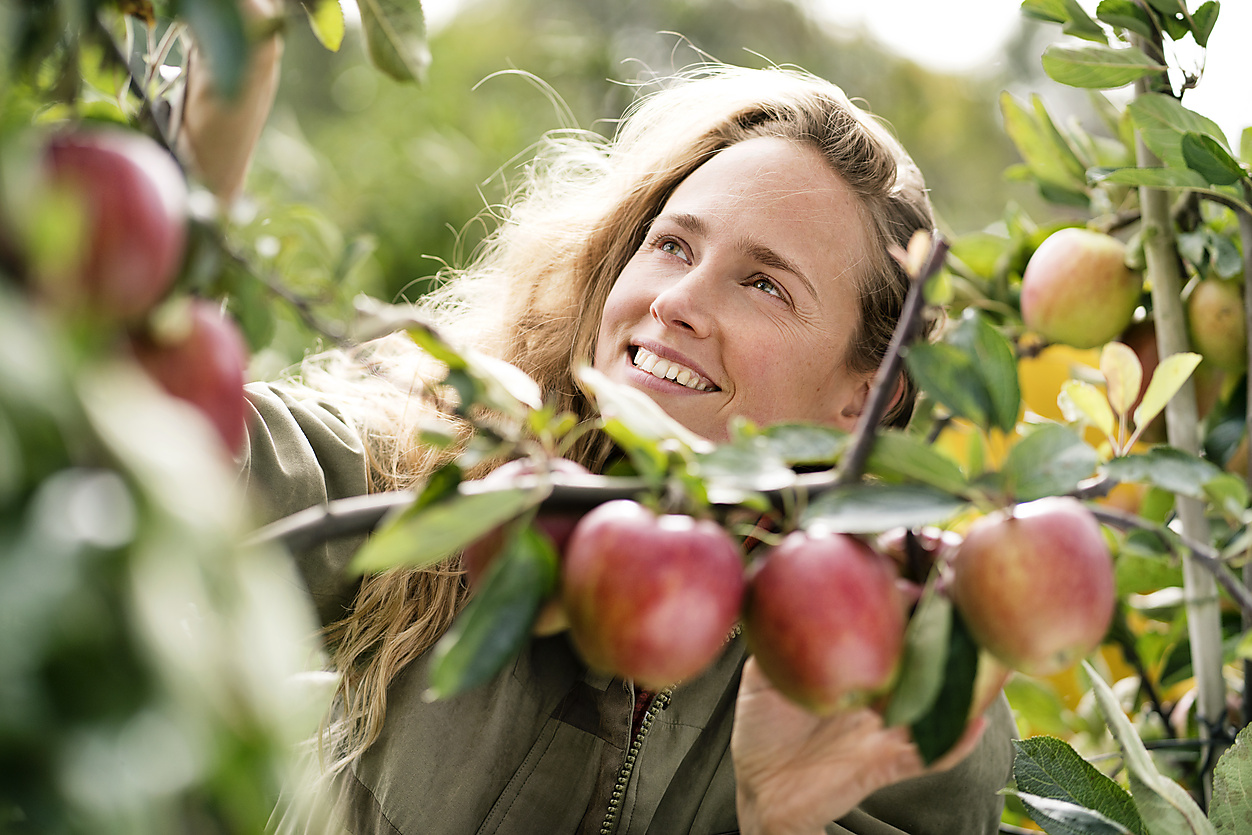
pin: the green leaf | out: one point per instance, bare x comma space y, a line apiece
748, 463
219, 31
1049, 11
1245, 144
496, 623
1205, 155
924, 659
1183, 178
1166, 467
948, 375
1081, 401
1126, 14
638, 412
1080, 24
1231, 807
806, 444
1162, 121
995, 363
1059, 817
1050, 461
939, 728
395, 36
873, 508
423, 535
1098, 67
1163, 805
1203, 20
909, 456
1170, 375
1123, 375
1048, 767
1046, 155
326, 20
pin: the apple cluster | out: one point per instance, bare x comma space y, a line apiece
124, 199
653, 596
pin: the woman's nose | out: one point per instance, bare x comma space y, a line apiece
686, 304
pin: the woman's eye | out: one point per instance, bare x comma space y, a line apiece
672, 247
767, 286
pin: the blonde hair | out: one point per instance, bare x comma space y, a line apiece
534, 294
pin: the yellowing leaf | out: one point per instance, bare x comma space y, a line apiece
326, 19
1169, 377
1083, 401
1123, 375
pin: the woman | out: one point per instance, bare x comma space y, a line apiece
727, 254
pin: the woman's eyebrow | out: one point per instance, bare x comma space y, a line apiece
755, 250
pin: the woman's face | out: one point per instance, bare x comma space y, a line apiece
742, 298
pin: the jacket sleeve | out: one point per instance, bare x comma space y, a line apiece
302, 453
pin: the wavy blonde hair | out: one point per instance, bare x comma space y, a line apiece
534, 294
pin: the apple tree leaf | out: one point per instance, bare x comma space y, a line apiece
1162, 121
1049, 11
1206, 156
1080, 24
925, 656
424, 534
1123, 375
1168, 468
948, 375
1170, 375
1050, 461
1231, 806
1047, 156
395, 37
873, 508
497, 621
1061, 817
326, 20
1126, 14
1180, 178
1202, 21
1047, 767
1098, 67
908, 456
806, 444
1163, 805
995, 363
639, 412
219, 31
939, 728
750, 463
1081, 401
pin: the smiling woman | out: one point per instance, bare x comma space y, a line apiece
727, 253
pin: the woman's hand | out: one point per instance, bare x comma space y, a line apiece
218, 136
795, 771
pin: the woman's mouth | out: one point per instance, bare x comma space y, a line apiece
664, 369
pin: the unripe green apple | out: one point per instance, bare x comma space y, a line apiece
650, 598
201, 358
825, 619
1077, 289
1035, 585
1216, 318
133, 200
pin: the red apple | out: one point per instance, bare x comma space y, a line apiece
650, 598
825, 619
1077, 289
202, 361
133, 198
1035, 584
1215, 316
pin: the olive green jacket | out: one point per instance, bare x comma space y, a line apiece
547, 746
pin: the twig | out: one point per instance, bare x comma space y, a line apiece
853, 464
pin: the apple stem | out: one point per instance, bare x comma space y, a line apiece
852, 467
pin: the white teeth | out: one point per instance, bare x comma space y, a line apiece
647, 361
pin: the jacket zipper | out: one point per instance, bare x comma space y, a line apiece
623, 777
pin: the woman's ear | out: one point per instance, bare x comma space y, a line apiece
851, 411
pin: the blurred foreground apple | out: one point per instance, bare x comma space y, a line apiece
200, 357
1077, 289
825, 619
132, 200
1035, 585
650, 598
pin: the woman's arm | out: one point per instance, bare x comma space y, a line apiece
217, 136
